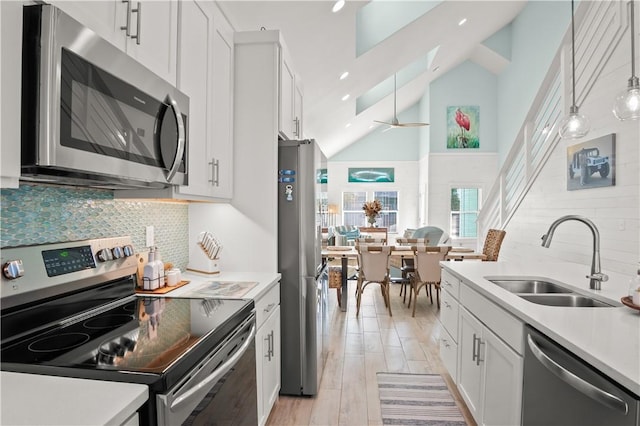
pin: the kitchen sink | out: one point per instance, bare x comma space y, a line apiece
530, 286
545, 292
568, 300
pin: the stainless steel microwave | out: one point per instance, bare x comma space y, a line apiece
91, 114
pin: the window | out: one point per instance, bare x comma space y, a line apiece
464, 212
353, 214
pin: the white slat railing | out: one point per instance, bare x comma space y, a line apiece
599, 28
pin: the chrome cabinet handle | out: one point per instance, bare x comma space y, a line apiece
271, 346
127, 26
445, 342
478, 359
181, 137
268, 354
269, 307
446, 304
215, 172
476, 352
138, 10
593, 392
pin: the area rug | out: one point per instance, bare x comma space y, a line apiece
417, 399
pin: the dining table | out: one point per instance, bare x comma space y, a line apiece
399, 252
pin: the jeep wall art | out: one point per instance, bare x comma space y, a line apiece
592, 164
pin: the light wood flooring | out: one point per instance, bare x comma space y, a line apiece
360, 347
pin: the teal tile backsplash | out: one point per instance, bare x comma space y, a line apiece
39, 214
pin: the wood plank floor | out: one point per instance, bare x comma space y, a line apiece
360, 347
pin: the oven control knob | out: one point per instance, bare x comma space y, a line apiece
128, 250
117, 252
105, 255
13, 269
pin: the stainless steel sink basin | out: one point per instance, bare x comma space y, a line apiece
567, 300
530, 286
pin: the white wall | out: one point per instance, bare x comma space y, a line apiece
615, 209
406, 183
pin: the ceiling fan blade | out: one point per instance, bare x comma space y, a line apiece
412, 124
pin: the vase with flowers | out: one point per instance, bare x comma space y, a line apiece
372, 210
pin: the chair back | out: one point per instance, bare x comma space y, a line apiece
412, 241
492, 244
427, 262
368, 241
374, 261
434, 234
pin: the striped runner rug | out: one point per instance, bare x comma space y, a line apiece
417, 399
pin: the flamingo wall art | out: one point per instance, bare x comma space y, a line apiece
463, 127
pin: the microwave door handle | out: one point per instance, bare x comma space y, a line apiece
181, 137
605, 398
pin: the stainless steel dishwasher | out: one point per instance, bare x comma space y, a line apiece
561, 389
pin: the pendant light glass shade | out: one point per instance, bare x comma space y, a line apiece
627, 104
574, 125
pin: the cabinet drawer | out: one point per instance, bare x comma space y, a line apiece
267, 304
509, 328
449, 314
449, 355
450, 283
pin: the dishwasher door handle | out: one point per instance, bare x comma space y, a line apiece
593, 392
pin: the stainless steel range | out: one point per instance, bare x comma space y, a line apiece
70, 309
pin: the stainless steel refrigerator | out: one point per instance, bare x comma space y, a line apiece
303, 287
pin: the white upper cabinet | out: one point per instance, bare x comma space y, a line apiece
146, 30
287, 90
297, 111
205, 75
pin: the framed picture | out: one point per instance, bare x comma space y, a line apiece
591, 164
371, 174
321, 176
463, 127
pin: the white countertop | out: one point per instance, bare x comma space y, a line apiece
264, 282
606, 338
32, 399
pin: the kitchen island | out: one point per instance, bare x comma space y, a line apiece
484, 330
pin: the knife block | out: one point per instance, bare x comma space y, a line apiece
200, 262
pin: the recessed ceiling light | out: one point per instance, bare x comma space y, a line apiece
462, 22
337, 6
345, 97
348, 125
344, 75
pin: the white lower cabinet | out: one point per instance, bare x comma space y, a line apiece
268, 351
481, 347
489, 375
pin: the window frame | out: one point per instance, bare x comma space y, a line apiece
463, 186
370, 194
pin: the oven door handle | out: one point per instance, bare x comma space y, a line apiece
217, 374
578, 383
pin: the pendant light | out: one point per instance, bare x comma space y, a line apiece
574, 125
627, 104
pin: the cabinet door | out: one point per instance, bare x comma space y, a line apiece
195, 79
221, 154
470, 371
297, 112
287, 90
156, 25
502, 379
271, 364
268, 364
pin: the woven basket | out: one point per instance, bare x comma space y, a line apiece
335, 277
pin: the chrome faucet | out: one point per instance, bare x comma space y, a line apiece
596, 277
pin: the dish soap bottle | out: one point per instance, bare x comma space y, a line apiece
150, 277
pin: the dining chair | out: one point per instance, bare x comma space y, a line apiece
492, 244
370, 241
373, 261
406, 265
427, 272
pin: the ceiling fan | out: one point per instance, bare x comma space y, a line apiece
394, 121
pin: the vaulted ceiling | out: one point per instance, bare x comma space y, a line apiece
373, 40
